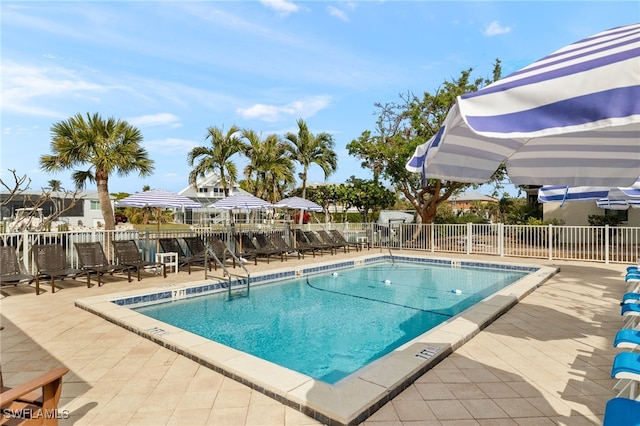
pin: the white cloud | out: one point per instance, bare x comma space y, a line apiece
23, 86
337, 13
161, 119
170, 146
283, 7
494, 29
297, 109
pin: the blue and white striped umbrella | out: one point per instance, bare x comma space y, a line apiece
241, 201
605, 203
618, 198
158, 198
299, 203
571, 118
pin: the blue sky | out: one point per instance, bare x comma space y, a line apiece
173, 69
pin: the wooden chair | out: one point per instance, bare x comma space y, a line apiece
52, 264
21, 405
11, 271
128, 254
93, 260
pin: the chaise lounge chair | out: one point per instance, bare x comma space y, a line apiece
52, 264
622, 412
302, 244
21, 405
172, 245
199, 250
328, 239
128, 254
247, 248
221, 251
11, 271
337, 236
265, 243
92, 259
315, 241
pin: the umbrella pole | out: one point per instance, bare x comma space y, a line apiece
158, 233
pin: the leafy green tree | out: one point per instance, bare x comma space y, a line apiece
400, 128
106, 146
307, 149
270, 172
366, 195
217, 157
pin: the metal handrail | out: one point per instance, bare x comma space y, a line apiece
211, 252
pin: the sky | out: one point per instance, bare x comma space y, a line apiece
175, 68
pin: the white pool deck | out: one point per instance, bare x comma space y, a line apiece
546, 361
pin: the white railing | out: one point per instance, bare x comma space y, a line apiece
584, 243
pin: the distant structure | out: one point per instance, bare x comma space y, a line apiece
465, 201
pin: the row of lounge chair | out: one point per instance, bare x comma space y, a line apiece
253, 247
51, 261
624, 409
52, 264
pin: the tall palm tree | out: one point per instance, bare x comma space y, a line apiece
307, 149
270, 172
216, 157
106, 146
55, 185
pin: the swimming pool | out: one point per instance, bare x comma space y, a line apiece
329, 325
353, 398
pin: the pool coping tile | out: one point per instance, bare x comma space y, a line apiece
352, 399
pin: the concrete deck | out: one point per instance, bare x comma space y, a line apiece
546, 361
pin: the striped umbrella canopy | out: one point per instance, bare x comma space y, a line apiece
158, 198
555, 193
571, 118
618, 198
241, 201
299, 204
606, 203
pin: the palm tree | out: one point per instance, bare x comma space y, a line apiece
216, 157
307, 148
270, 170
106, 146
55, 185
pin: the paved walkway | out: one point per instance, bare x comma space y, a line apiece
546, 362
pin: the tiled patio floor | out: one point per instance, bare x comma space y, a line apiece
547, 361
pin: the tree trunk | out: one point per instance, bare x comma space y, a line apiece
105, 203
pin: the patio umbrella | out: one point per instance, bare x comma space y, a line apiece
158, 199
617, 198
298, 203
241, 201
571, 118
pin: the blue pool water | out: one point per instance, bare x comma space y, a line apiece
329, 325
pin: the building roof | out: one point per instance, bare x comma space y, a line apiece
472, 196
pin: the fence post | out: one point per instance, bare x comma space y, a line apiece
550, 241
606, 244
25, 250
469, 237
501, 239
432, 236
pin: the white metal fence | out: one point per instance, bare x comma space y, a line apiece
584, 243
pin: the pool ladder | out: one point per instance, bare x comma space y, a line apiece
241, 278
